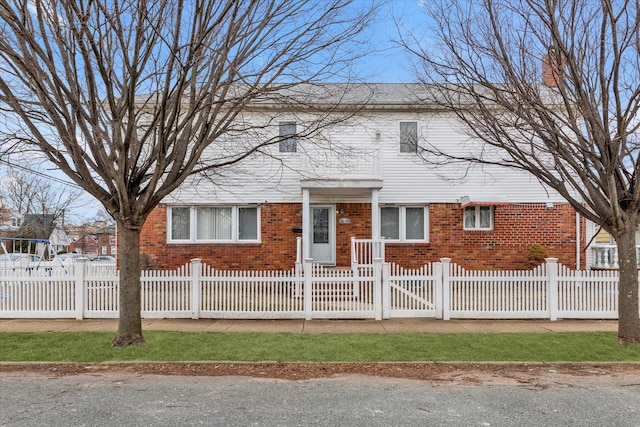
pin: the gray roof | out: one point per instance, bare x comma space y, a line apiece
367, 96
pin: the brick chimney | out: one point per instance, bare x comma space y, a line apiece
553, 69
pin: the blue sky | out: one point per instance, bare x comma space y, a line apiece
388, 63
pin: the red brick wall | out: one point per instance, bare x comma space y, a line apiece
517, 227
359, 215
106, 241
276, 251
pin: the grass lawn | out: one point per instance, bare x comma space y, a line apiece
205, 346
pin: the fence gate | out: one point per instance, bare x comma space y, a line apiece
342, 293
410, 292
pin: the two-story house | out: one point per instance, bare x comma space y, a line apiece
363, 177
106, 241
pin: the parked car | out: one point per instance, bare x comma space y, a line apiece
70, 258
104, 259
22, 260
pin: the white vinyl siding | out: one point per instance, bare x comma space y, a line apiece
478, 217
213, 224
407, 180
404, 223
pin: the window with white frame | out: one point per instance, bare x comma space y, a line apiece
404, 223
288, 139
408, 137
217, 224
478, 217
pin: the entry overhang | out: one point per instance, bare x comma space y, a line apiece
491, 200
340, 186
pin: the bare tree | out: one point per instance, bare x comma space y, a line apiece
578, 133
124, 96
33, 197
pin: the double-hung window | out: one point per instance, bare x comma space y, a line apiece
404, 223
288, 139
408, 137
478, 217
215, 224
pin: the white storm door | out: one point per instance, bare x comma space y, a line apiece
323, 235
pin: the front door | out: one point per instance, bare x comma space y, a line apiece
323, 235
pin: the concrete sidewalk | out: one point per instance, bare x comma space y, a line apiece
394, 326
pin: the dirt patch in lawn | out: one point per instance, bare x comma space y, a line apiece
538, 375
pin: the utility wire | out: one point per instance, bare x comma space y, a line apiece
43, 175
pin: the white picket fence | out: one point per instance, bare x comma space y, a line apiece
378, 291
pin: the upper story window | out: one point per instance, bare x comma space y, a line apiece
408, 137
215, 224
404, 223
15, 222
288, 139
478, 217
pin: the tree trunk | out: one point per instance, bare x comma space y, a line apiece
628, 315
130, 322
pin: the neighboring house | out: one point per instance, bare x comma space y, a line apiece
107, 241
371, 183
36, 228
11, 223
59, 240
86, 244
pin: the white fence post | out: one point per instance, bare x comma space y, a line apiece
354, 253
377, 288
308, 288
446, 288
196, 277
386, 290
356, 280
552, 278
80, 272
437, 288
298, 250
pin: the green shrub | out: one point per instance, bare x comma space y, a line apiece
535, 257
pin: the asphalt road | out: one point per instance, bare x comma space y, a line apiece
148, 400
